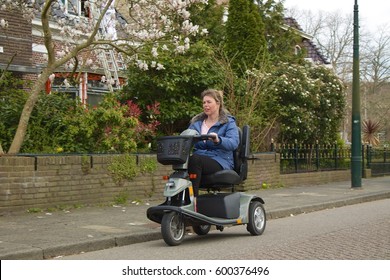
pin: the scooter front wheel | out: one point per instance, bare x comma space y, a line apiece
172, 228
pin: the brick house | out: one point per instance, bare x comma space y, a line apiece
22, 51
313, 54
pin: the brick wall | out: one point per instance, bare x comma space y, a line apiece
52, 181
315, 178
263, 169
16, 38
58, 181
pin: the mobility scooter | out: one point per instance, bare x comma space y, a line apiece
219, 205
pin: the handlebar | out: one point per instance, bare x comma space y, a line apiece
202, 137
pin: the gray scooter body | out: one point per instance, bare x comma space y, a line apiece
214, 207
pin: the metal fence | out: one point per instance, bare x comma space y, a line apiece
295, 158
378, 160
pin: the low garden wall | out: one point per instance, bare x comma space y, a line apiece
29, 183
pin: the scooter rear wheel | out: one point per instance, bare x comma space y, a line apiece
257, 218
202, 229
172, 228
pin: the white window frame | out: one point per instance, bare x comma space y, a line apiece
73, 7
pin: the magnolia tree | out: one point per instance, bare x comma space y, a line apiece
155, 26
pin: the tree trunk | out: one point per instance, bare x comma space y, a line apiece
26, 113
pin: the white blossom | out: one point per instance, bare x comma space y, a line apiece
189, 28
142, 65
3, 23
61, 53
89, 62
154, 52
204, 32
185, 14
160, 67
180, 49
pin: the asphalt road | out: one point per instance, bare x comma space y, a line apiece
356, 232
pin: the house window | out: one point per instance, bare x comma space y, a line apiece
76, 7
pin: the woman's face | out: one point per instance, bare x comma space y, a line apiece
210, 106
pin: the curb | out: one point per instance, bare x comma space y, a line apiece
33, 253
282, 213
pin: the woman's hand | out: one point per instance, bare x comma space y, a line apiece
216, 138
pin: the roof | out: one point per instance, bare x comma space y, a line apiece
313, 52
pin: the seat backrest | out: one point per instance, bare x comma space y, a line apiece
242, 153
237, 153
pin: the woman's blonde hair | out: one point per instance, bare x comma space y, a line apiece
216, 94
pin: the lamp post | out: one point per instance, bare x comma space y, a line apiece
356, 159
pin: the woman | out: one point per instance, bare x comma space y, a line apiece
215, 154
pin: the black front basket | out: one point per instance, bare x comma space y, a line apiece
172, 150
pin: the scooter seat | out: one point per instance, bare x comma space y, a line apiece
228, 178
223, 178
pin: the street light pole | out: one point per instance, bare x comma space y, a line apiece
356, 160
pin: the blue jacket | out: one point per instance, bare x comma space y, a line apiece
227, 131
